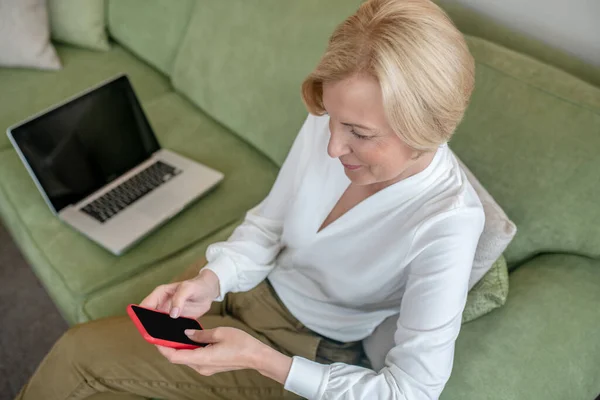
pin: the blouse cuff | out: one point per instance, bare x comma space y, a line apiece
225, 270
307, 378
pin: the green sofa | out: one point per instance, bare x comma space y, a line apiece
220, 82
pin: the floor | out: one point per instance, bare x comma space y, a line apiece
29, 321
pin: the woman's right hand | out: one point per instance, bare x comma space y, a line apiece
191, 298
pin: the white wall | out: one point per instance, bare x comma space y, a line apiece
569, 25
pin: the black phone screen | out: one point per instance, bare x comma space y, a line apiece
162, 326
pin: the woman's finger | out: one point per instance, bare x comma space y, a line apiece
165, 306
179, 356
184, 292
158, 296
165, 351
204, 335
152, 300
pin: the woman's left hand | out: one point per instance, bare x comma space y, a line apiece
228, 349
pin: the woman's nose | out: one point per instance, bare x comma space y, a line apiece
337, 146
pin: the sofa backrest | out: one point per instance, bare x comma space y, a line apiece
151, 29
243, 63
471, 22
531, 135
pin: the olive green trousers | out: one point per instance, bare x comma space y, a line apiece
109, 359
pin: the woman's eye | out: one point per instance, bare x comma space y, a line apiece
359, 136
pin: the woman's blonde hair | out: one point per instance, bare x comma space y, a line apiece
419, 58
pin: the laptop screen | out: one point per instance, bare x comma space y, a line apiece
82, 145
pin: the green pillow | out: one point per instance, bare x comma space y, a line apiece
489, 293
80, 23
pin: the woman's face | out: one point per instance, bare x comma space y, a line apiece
372, 154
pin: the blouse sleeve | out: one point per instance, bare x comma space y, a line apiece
419, 365
247, 257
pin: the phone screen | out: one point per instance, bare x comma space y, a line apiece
162, 326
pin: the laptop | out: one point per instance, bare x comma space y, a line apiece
100, 169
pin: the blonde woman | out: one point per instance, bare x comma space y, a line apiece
369, 217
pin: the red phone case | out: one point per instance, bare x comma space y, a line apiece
152, 339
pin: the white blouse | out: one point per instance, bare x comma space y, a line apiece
408, 250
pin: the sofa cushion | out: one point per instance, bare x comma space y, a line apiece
152, 29
24, 93
81, 266
531, 135
80, 23
248, 74
542, 344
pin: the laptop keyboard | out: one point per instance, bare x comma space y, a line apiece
130, 191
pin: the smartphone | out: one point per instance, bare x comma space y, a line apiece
158, 327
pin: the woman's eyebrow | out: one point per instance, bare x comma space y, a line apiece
359, 126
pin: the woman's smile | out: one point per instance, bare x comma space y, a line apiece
351, 167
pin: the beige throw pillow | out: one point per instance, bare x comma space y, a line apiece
498, 230
25, 35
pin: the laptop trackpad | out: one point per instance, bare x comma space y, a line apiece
160, 204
